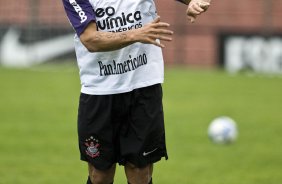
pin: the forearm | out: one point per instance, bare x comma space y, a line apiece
97, 41
107, 41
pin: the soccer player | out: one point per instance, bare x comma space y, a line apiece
119, 54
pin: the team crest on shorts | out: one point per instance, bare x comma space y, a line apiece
92, 145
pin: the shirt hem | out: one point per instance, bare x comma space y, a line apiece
94, 91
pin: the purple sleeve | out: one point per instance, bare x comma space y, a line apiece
80, 14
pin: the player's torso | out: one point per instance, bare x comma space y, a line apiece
135, 66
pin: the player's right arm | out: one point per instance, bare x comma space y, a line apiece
97, 41
83, 20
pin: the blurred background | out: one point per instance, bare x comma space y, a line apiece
237, 35
229, 62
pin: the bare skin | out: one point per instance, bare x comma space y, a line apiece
137, 175
134, 174
96, 41
195, 8
101, 177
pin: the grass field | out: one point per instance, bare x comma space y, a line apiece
38, 143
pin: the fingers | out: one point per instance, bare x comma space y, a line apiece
157, 43
191, 18
160, 31
158, 35
160, 25
157, 23
158, 19
195, 8
204, 5
161, 37
156, 38
155, 32
162, 34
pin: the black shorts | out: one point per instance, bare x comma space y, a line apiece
126, 127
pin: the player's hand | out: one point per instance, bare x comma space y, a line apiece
153, 32
196, 7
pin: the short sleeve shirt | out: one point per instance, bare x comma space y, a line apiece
135, 66
80, 13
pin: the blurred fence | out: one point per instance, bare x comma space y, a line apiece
25, 24
34, 31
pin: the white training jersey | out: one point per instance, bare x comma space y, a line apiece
135, 66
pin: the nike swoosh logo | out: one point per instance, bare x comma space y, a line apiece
14, 53
147, 153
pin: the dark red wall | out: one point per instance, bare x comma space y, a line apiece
194, 44
197, 44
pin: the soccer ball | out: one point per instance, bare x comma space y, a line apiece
223, 130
